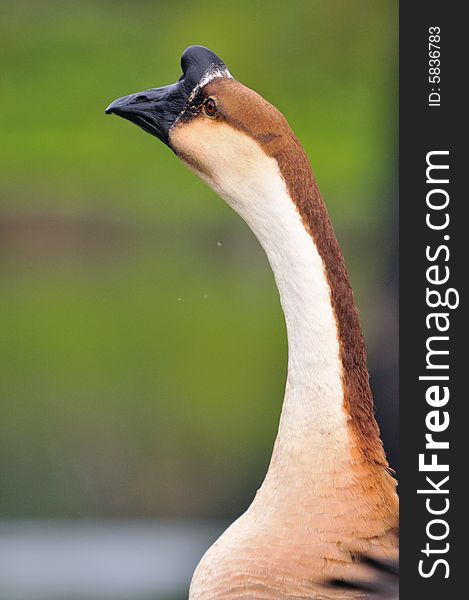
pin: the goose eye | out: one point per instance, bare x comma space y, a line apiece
210, 107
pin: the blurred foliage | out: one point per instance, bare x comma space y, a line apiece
143, 349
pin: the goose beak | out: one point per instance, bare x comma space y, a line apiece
153, 110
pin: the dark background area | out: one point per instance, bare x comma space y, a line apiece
432, 544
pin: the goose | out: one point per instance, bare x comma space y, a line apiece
324, 523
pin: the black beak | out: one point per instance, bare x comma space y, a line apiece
153, 110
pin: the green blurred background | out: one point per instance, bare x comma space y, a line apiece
143, 350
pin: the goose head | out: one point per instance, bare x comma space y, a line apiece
158, 109
222, 130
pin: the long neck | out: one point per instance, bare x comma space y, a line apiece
327, 494
314, 428
328, 443
327, 429
313, 421
320, 409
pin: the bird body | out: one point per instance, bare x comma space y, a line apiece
328, 496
